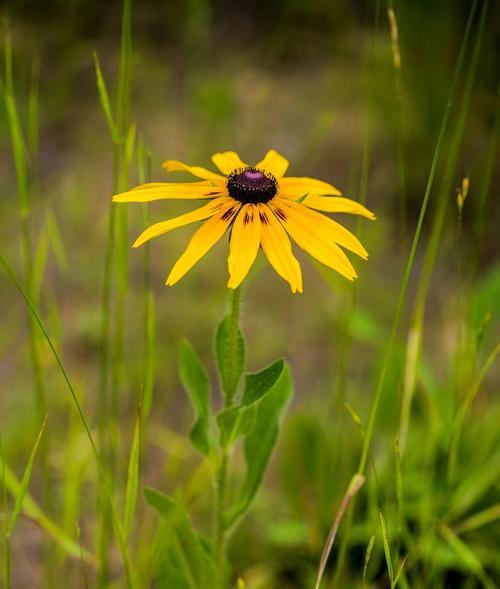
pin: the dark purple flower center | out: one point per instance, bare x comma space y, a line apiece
250, 185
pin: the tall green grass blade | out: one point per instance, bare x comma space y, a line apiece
368, 554
477, 520
401, 299
48, 339
432, 248
102, 471
387, 547
104, 99
23, 488
112, 348
16, 133
416, 238
466, 404
398, 92
35, 513
133, 476
144, 174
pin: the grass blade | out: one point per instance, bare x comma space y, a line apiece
23, 488
104, 99
100, 465
133, 476
355, 485
33, 511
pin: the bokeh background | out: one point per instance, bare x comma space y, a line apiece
317, 82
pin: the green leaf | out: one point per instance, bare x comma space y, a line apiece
235, 422
230, 352
133, 476
260, 443
184, 561
239, 421
104, 98
23, 488
257, 384
195, 381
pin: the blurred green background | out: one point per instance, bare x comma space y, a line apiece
317, 82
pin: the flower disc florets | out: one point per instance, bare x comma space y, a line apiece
251, 185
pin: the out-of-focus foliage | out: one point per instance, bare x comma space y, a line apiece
315, 80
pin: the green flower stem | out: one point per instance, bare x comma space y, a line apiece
234, 299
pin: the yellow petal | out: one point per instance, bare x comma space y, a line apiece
337, 204
273, 162
213, 207
335, 232
313, 239
227, 161
203, 239
176, 166
170, 190
278, 248
297, 187
244, 245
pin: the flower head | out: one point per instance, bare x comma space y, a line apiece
262, 207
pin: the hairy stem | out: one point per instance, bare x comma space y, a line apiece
234, 299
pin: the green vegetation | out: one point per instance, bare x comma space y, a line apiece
142, 444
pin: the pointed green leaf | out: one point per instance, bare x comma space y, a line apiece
239, 421
260, 443
230, 352
257, 384
195, 381
235, 422
104, 98
184, 561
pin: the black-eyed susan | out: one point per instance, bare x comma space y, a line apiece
261, 207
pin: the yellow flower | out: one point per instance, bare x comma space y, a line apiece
262, 207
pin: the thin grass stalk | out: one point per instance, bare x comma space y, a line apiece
104, 476
460, 368
24, 199
220, 528
404, 284
25, 176
409, 266
144, 175
35, 513
346, 341
5, 526
431, 251
464, 409
112, 350
398, 92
